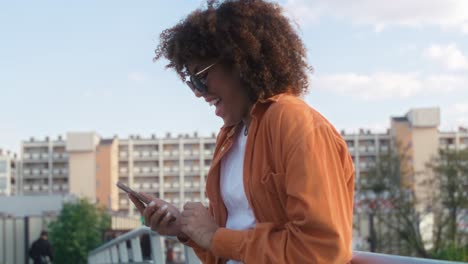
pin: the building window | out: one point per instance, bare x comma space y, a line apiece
3, 183
3, 167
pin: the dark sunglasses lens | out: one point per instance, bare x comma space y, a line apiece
198, 84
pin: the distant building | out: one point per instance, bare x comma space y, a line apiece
175, 168
9, 165
85, 165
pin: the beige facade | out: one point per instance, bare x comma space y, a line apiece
417, 136
107, 173
81, 148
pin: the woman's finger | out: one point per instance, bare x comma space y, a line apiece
189, 205
148, 213
158, 216
165, 220
184, 221
187, 213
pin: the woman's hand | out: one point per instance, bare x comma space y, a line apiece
198, 224
158, 216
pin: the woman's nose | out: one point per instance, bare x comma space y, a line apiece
197, 93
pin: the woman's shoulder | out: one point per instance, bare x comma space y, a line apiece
293, 110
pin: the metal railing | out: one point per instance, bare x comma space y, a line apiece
360, 257
127, 249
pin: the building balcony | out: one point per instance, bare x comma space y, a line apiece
384, 149
208, 153
191, 168
60, 156
146, 156
149, 174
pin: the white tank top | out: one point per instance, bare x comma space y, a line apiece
240, 215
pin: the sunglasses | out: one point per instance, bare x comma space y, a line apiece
198, 80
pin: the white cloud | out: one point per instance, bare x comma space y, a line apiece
461, 121
137, 77
447, 14
449, 56
458, 109
387, 85
455, 115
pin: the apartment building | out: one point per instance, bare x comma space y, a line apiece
171, 168
175, 168
365, 148
9, 165
454, 140
44, 167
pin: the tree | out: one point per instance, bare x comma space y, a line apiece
451, 170
78, 229
390, 197
391, 202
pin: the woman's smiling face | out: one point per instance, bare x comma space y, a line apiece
224, 91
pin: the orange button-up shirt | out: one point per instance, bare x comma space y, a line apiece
299, 181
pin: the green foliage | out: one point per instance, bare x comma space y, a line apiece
452, 252
78, 229
451, 170
389, 192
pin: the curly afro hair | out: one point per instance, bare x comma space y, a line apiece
250, 36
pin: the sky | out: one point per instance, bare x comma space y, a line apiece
87, 66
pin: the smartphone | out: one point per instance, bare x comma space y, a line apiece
142, 198
127, 189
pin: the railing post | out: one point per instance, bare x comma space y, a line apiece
114, 254
136, 249
157, 252
123, 251
107, 256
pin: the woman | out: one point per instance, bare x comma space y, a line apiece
281, 182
